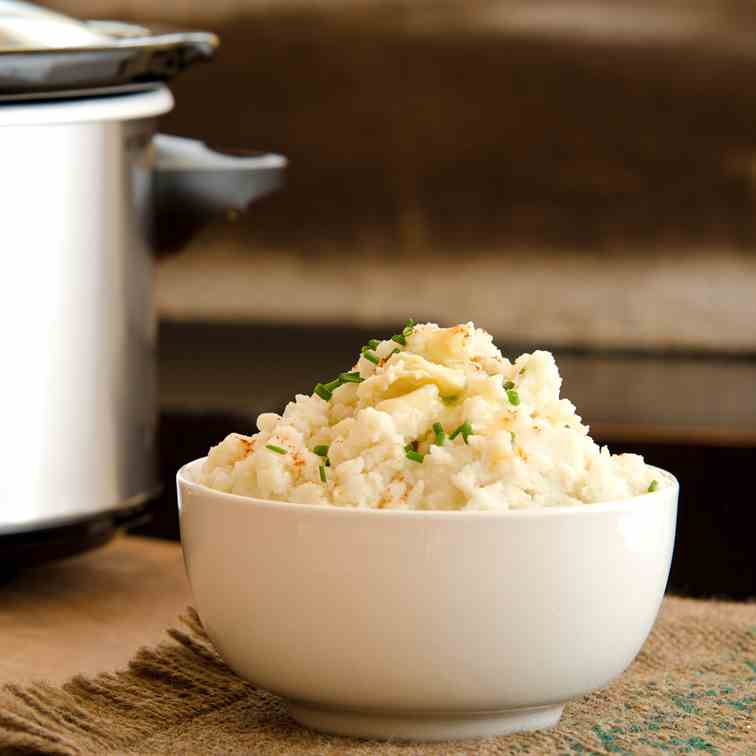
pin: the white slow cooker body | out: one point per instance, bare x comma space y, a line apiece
76, 308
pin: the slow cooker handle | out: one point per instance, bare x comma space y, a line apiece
194, 184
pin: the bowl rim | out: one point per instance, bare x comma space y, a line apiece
617, 505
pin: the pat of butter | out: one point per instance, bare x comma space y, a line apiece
415, 371
448, 345
414, 413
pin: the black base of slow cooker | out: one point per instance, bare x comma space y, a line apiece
31, 548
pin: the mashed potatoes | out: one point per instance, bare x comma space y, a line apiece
434, 418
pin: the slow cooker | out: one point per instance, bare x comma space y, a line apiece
88, 192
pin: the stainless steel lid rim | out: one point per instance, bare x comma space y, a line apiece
118, 107
205, 41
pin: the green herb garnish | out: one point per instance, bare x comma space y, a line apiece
323, 473
514, 436
415, 456
399, 339
322, 451
449, 399
408, 327
322, 392
438, 429
353, 377
465, 429
371, 357
373, 344
509, 385
653, 485
513, 396
276, 449
332, 385
325, 390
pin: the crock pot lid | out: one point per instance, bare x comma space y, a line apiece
45, 54
113, 108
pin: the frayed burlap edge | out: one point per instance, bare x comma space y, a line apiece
161, 688
692, 689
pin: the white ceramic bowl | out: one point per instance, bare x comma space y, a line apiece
426, 625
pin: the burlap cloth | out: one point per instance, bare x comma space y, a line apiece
691, 689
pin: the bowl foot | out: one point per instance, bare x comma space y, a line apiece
420, 726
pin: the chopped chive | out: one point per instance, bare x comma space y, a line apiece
415, 456
514, 436
353, 377
373, 343
393, 352
408, 327
438, 429
333, 385
513, 396
411, 446
368, 355
465, 429
322, 392
321, 450
509, 385
449, 399
322, 473
276, 449
399, 338
653, 486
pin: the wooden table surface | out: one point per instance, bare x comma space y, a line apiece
89, 614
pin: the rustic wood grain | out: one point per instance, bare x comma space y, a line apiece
481, 122
91, 613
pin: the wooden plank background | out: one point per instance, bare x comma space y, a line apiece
481, 122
